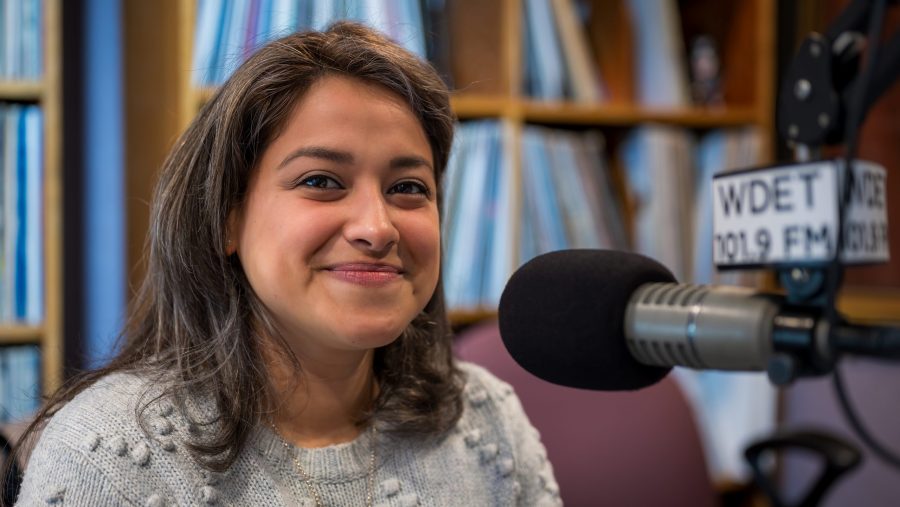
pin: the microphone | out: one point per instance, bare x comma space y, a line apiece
611, 321
562, 318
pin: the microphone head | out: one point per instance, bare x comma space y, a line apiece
562, 318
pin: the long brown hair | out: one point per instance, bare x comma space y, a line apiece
195, 321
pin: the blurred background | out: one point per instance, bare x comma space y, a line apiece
582, 124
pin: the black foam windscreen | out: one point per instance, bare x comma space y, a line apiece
562, 318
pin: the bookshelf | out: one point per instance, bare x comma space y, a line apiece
490, 34
487, 60
47, 93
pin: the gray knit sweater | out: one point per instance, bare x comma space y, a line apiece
94, 453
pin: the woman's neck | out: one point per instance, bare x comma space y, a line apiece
322, 404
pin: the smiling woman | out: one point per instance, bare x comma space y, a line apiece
342, 214
289, 345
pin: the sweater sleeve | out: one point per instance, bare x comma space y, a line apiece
59, 474
535, 473
536, 484
94, 452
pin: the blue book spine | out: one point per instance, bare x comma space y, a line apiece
34, 202
13, 36
552, 234
5, 382
30, 42
489, 219
4, 34
39, 50
529, 237
237, 28
251, 36
220, 50
263, 21
4, 216
24, 385
287, 16
11, 216
412, 27
21, 283
711, 156
206, 39
502, 240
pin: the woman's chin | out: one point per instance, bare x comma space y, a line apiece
373, 338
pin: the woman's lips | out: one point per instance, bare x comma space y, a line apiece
369, 275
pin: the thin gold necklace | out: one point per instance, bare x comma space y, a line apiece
311, 488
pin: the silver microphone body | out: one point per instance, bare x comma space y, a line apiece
701, 327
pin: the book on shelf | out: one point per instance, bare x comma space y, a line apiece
558, 61
669, 174
621, 51
232, 42
20, 387
226, 33
546, 75
21, 39
438, 51
469, 211
599, 188
565, 204
658, 166
584, 74
539, 190
659, 54
21, 219
501, 259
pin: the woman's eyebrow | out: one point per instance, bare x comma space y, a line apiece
320, 152
346, 158
408, 162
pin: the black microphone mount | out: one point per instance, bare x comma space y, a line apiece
822, 102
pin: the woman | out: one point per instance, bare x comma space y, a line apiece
289, 345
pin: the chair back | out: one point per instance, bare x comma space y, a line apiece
636, 448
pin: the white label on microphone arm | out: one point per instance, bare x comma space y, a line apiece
789, 215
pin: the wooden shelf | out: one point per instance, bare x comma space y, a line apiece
484, 106
568, 113
632, 115
472, 107
871, 304
26, 91
463, 318
13, 334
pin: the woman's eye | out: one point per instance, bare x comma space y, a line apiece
409, 187
319, 181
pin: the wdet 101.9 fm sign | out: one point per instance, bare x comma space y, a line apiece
788, 215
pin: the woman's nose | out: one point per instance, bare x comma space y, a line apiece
369, 224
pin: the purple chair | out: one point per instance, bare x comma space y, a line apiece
637, 448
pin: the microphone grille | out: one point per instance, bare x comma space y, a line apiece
562, 318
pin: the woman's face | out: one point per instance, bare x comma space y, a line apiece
339, 232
